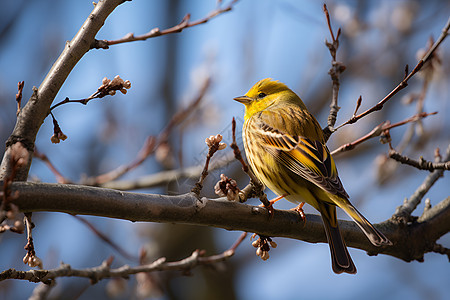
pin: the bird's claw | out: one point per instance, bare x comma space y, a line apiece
269, 208
299, 210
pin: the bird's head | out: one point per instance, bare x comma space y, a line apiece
265, 93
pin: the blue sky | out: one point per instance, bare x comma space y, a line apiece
278, 39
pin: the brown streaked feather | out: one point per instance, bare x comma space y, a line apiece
286, 148
309, 159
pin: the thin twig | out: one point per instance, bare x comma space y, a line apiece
106, 239
420, 164
441, 38
404, 82
379, 105
238, 242
378, 130
147, 149
42, 156
104, 271
335, 71
214, 145
182, 115
20, 86
409, 133
255, 187
185, 23
108, 88
327, 15
37, 108
30, 258
236, 150
404, 211
165, 177
152, 143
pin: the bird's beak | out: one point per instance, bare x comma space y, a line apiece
243, 99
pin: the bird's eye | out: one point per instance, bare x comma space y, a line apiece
261, 95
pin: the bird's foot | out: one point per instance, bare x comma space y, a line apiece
270, 206
299, 210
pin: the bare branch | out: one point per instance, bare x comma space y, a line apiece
30, 258
185, 23
230, 215
196, 259
20, 85
146, 150
182, 115
108, 88
405, 210
152, 143
255, 187
106, 239
104, 271
165, 177
214, 144
404, 82
42, 156
37, 108
335, 71
378, 130
441, 38
379, 105
420, 164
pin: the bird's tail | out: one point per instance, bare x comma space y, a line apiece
375, 237
340, 258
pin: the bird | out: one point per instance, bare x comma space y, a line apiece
286, 149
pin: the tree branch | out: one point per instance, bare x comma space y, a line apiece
185, 23
104, 271
152, 143
404, 82
188, 209
405, 210
32, 115
335, 71
166, 177
379, 130
420, 164
441, 38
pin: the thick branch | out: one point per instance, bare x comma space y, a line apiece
36, 110
188, 209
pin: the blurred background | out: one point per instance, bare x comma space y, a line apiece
279, 39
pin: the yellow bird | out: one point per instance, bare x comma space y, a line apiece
286, 150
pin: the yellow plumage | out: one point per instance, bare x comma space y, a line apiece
286, 150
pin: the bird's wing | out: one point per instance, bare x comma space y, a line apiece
308, 158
